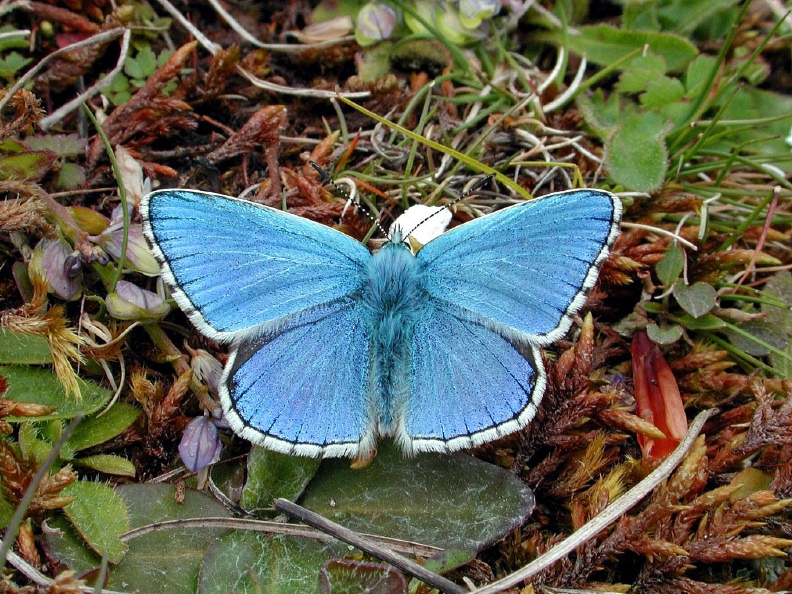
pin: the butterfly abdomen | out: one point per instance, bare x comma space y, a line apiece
394, 295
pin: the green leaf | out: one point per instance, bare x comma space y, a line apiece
164, 561
748, 337
252, 562
604, 44
70, 176
705, 322
12, 63
664, 335
100, 516
41, 386
662, 92
272, 475
780, 287
27, 166
670, 267
31, 445
636, 152
696, 299
99, 429
109, 464
63, 145
6, 510
23, 349
767, 139
601, 114
640, 72
451, 501
348, 576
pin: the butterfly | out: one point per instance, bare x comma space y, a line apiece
333, 347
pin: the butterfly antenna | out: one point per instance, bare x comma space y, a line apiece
329, 180
482, 182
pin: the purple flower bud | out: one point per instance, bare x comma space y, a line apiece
73, 265
206, 368
53, 258
138, 255
375, 22
219, 418
130, 302
200, 445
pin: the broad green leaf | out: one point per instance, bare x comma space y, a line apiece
109, 464
70, 176
272, 475
758, 331
63, 145
686, 16
100, 516
636, 152
604, 44
662, 92
696, 299
705, 322
27, 166
640, 72
23, 349
348, 576
31, 445
254, 562
41, 386
6, 511
165, 561
670, 267
449, 501
601, 114
767, 139
664, 335
99, 429
780, 287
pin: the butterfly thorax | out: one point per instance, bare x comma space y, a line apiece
394, 294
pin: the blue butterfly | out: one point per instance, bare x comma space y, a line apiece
332, 347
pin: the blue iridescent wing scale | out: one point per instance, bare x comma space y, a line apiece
468, 385
235, 266
304, 389
526, 270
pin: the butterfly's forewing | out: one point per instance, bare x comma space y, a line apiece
469, 385
278, 288
303, 389
235, 266
525, 270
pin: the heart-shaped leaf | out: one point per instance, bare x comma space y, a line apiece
696, 299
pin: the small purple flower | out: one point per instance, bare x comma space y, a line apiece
206, 368
138, 255
60, 266
375, 22
200, 445
130, 302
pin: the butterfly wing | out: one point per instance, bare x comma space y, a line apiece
526, 270
468, 384
303, 389
235, 266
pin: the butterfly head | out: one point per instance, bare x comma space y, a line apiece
419, 225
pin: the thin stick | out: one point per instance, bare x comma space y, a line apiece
365, 545
611, 513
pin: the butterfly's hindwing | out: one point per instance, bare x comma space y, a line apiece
304, 390
468, 384
527, 269
235, 266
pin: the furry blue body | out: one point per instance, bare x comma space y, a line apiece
394, 297
332, 347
